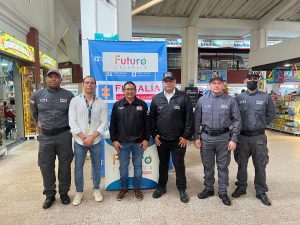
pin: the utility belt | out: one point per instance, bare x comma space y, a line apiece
250, 133
54, 132
215, 132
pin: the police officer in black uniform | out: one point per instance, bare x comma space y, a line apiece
214, 114
49, 109
257, 111
171, 116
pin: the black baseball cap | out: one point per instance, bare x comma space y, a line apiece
168, 75
252, 74
53, 71
216, 75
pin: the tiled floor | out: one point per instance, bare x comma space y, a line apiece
21, 197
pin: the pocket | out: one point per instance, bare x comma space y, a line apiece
262, 151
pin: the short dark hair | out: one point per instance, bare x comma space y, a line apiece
88, 77
129, 82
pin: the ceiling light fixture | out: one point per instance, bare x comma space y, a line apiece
144, 7
287, 65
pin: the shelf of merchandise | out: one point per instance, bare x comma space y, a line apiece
287, 118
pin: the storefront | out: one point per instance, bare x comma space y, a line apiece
14, 57
17, 82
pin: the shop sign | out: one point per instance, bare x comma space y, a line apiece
202, 43
47, 61
15, 47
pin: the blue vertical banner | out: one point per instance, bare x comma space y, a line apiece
112, 64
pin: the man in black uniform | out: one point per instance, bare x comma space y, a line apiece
49, 109
257, 111
171, 119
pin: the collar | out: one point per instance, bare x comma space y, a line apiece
82, 96
254, 93
216, 96
51, 90
173, 93
135, 101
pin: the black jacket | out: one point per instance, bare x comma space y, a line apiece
129, 122
174, 119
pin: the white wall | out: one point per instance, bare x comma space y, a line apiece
16, 17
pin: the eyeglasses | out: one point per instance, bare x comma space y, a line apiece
129, 89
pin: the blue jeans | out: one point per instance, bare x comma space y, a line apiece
124, 158
80, 152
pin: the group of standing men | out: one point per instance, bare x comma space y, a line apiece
220, 125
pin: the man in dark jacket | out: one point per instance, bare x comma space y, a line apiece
129, 132
171, 116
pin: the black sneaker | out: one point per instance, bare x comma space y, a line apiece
65, 199
225, 199
205, 194
159, 192
238, 192
264, 199
48, 202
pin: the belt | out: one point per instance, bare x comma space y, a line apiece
250, 133
215, 132
54, 132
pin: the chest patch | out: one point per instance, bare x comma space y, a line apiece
43, 100
177, 107
121, 107
63, 100
259, 102
224, 106
139, 108
160, 107
243, 102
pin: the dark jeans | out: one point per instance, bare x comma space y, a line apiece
51, 146
178, 154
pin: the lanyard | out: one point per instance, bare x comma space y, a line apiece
89, 107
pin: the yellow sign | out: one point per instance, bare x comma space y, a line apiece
15, 47
47, 61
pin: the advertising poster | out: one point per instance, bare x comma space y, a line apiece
112, 64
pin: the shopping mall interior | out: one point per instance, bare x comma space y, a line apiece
199, 37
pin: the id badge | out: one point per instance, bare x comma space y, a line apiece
89, 131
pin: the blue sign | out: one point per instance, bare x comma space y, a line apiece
136, 65
112, 64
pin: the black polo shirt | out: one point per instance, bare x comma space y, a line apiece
129, 122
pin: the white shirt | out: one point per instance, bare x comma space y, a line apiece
169, 96
79, 121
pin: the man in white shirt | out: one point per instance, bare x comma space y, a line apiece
88, 121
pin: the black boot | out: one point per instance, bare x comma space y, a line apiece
48, 202
225, 199
264, 199
159, 192
65, 199
238, 192
205, 194
184, 196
